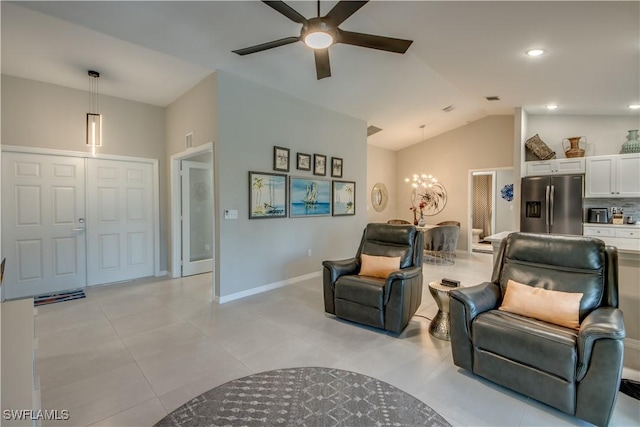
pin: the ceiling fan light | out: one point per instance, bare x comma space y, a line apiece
318, 40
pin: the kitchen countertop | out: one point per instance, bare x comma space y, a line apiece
598, 224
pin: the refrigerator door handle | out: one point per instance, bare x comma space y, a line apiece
553, 191
546, 214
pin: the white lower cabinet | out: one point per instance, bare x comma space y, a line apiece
624, 237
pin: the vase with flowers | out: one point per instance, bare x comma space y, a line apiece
419, 222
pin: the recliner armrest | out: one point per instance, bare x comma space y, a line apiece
342, 267
477, 299
405, 273
601, 323
399, 278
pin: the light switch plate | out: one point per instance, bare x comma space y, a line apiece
230, 214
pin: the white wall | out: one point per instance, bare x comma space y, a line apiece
36, 114
484, 144
506, 219
381, 168
252, 119
196, 111
604, 134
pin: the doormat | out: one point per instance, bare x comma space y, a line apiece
58, 297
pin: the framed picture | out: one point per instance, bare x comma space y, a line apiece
336, 167
344, 198
309, 197
280, 159
319, 164
267, 195
304, 162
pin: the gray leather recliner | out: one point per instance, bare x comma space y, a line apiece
383, 303
575, 371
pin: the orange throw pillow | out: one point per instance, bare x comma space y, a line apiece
559, 308
378, 266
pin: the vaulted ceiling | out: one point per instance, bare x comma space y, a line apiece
462, 52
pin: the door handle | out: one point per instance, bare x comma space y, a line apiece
553, 191
546, 214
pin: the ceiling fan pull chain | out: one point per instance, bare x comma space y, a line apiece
318, 8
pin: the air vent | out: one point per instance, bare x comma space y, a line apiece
448, 109
492, 98
372, 129
188, 140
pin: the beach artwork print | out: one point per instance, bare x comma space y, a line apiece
267, 195
310, 197
344, 198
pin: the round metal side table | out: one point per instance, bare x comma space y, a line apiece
440, 327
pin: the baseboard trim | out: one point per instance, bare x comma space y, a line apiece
265, 288
631, 344
162, 273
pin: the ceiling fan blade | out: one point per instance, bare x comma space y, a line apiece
323, 69
287, 11
343, 10
374, 42
265, 46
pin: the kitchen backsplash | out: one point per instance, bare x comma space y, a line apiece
630, 207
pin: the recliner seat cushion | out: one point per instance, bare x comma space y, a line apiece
364, 290
543, 346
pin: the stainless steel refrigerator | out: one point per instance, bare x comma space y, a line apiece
552, 204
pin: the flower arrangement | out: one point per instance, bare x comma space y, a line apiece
420, 207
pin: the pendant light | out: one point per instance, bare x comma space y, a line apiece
94, 118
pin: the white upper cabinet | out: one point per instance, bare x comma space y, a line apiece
556, 167
628, 175
613, 176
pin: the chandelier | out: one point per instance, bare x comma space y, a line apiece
421, 182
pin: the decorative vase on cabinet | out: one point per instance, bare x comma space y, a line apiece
574, 149
632, 145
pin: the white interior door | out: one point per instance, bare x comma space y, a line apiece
197, 217
43, 225
120, 218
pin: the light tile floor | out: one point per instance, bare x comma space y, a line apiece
128, 354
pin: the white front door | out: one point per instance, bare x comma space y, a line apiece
43, 223
120, 218
197, 217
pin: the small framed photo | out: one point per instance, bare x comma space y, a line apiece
280, 159
336, 167
319, 164
304, 162
344, 198
267, 195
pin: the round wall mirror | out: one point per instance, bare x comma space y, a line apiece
379, 197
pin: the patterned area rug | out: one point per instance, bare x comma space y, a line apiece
304, 397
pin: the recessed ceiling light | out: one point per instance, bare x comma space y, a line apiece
535, 52
634, 106
552, 107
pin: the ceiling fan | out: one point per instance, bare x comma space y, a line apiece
322, 31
